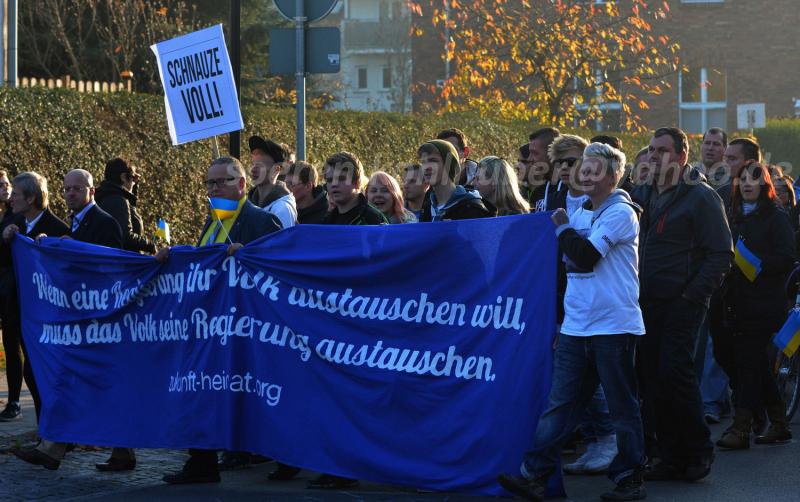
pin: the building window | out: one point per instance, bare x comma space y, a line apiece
387, 77
702, 98
362, 78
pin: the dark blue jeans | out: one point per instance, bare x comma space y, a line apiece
580, 364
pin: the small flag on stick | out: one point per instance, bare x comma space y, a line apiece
748, 263
223, 208
788, 338
162, 232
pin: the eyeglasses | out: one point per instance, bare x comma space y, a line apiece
218, 182
68, 189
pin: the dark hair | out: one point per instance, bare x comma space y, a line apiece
789, 182
454, 133
545, 134
608, 140
750, 148
717, 130
115, 168
351, 163
305, 171
641, 152
767, 196
679, 140
525, 151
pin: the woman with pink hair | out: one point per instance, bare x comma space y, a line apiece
383, 192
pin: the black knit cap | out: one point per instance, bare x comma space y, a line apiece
274, 150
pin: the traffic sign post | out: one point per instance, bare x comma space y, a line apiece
302, 12
314, 10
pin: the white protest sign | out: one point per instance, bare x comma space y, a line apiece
199, 90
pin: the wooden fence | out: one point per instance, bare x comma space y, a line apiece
77, 85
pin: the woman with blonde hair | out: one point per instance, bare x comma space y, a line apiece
497, 184
384, 192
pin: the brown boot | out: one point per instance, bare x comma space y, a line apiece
778, 431
737, 437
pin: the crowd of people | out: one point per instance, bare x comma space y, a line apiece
653, 293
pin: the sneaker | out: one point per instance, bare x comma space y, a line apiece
579, 465
604, 453
529, 489
11, 412
712, 418
629, 488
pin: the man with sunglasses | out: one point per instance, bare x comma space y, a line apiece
116, 195
565, 154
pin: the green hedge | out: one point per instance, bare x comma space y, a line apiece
53, 131
780, 142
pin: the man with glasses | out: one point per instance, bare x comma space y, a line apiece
226, 179
92, 225
117, 196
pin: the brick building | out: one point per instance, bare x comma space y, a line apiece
736, 51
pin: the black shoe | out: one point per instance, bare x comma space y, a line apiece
232, 460
187, 477
37, 457
256, 459
759, 422
664, 471
283, 473
116, 465
529, 489
629, 488
696, 472
331, 482
11, 412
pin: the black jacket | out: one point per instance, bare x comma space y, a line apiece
251, 224
685, 244
98, 227
464, 204
362, 214
48, 224
760, 305
121, 204
316, 212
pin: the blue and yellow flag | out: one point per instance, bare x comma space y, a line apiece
748, 263
223, 208
788, 338
162, 232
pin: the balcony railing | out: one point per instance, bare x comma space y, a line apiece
390, 35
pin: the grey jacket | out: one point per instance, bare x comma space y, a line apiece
685, 245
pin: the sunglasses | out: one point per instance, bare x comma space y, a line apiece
569, 161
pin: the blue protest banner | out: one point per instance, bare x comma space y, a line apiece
415, 355
199, 91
